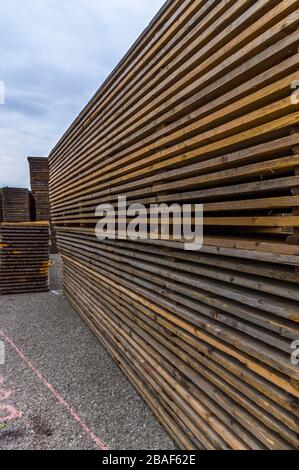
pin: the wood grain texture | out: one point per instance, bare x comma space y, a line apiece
198, 111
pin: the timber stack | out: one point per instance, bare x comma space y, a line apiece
39, 179
24, 258
15, 205
199, 110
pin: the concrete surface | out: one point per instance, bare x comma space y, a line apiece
59, 388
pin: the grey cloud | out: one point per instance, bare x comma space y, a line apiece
54, 56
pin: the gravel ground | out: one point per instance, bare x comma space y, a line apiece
59, 388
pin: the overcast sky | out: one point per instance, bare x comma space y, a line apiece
54, 56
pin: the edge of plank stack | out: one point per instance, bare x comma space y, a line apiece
24, 258
39, 179
199, 110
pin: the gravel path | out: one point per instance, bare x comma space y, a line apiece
59, 388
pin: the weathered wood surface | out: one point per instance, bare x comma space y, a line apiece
15, 205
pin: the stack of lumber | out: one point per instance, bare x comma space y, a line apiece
199, 110
24, 258
39, 179
15, 205
39, 174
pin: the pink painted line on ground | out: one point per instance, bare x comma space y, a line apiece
55, 393
12, 413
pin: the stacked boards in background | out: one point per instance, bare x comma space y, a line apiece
39, 179
24, 258
199, 110
15, 205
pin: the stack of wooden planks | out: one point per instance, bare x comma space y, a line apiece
15, 205
24, 258
199, 110
39, 179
